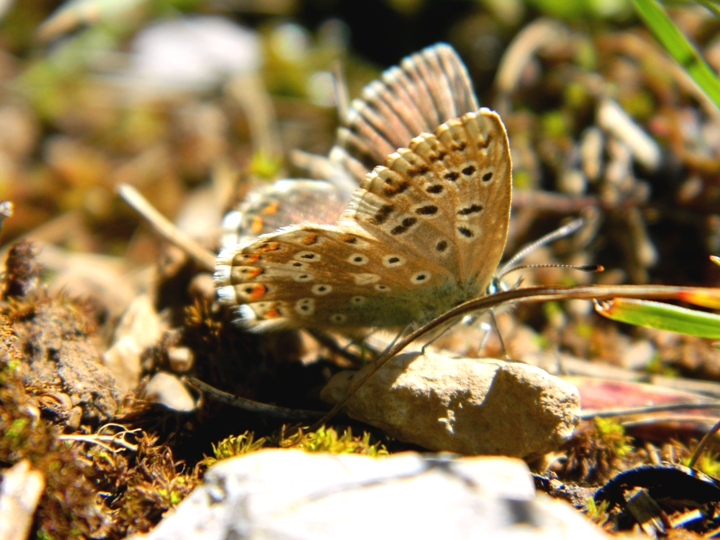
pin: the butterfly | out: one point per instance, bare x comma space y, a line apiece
424, 231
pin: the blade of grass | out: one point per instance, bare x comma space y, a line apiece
677, 45
661, 316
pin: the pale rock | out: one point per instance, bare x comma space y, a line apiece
468, 406
291, 494
20, 490
181, 359
139, 327
167, 390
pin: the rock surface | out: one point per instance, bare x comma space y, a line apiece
63, 366
292, 494
468, 406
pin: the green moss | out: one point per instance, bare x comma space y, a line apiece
327, 440
322, 440
612, 435
233, 446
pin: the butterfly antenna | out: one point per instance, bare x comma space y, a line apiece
590, 268
566, 230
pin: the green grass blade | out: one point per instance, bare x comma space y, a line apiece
677, 45
661, 316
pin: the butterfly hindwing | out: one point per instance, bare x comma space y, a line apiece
429, 88
330, 277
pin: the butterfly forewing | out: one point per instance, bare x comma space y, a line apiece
430, 87
446, 198
329, 277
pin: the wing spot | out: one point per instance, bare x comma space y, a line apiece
427, 210
358, 259
254, 292
269, 246
256, 225
487, 176
467, 171
305, 306
451, 176
358, 300
472, 209
270, 209
435, 189
486, 142
393, 261
348, 239
321, 289
337, 318
383, 214
467, 233
307, 256
381, 288
405, 224
302, 278
390, 191
423, 169
419, 277
441, 246
310, 239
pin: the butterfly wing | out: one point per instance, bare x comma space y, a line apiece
427, 89
423, 233
279, 204
446, 198
329, 277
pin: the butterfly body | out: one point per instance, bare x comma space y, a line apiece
423, 233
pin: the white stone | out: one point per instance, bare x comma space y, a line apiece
290, 494
167, 390
468, 406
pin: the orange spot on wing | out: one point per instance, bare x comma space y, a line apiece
348, 238
270, 209
270, 246
310, 239
257, 292
255, 272
256, 225
271, 313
